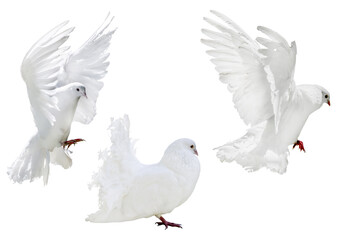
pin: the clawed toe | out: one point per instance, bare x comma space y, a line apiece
300, 145
167, 224
68, 143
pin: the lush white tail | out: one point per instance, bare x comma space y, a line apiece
32, 163
114, 176
239, 149
251, 153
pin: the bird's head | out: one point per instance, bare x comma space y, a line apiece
79, 90
183, 148
325, 96
181, 157
186, 144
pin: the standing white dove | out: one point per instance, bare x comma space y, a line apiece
130, 190
56, 80
264, 93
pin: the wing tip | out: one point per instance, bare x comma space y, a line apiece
216, 13
261, 28
213, 11
64, 23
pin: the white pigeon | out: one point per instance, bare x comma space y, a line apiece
264, 93
56, 80
129, 190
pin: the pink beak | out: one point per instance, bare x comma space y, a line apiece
195, 152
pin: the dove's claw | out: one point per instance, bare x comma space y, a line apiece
167, 224
68, 143
300, 145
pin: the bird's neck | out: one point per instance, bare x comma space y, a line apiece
186, 170
310, 96
183, 164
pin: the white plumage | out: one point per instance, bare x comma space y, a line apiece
130, 190
264, 93
56, 80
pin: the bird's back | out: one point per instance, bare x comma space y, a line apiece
154, 190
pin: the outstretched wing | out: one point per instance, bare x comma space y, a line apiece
118, 169
280, 61
40, 70
88, 65
240, 66
261, 79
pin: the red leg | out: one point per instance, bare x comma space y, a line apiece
166, 223
70, 142
300, 145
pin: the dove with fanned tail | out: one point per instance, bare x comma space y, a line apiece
129, 190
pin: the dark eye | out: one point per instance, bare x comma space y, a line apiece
326, 96
192, 146
77, 89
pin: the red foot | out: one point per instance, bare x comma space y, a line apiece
167, 224
300, 145
70, 142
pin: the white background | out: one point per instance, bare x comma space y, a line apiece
161, 76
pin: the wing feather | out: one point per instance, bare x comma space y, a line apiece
260, 79
280, 60
238, 62
40, 70
88, 65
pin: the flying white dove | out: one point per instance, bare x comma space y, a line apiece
130, 190
56, 80
264, 93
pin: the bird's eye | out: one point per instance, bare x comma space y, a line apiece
192, 146
77, 89
326, 96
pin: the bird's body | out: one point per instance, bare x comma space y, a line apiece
262, 146
264, 93
150, 194
67, 104
56, 80
130, 190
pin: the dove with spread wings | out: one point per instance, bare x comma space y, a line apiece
62, 87
260, 75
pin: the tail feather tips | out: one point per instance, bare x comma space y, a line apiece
30, 164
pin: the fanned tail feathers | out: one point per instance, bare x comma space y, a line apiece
118, 167
31, 164
239, 149
251, 154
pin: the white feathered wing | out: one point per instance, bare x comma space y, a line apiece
40, 70
88, 65
262, 84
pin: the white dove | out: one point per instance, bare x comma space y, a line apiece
129, 190
56, 80
264, 93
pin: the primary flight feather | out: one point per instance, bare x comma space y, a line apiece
260, 75
62, 86
130, 190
